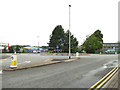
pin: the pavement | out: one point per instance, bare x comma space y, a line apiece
80, 73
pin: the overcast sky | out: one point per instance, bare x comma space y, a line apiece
21, 21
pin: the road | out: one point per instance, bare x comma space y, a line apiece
81, 73
3, 56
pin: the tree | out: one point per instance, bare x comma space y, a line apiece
74, 42
61, 39
57, 38
99, 35
23, 50
93, 42
11, 49
4, 50
17, 48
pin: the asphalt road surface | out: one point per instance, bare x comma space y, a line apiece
81, 73
4, 56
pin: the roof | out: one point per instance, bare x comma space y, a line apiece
111, 43
33, 48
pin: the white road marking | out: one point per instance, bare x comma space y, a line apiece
68, 60
0, 71
27, 61
24, 62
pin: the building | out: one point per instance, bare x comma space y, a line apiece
4, 46
32, 49
111, 46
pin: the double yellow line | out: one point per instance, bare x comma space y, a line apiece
101, 82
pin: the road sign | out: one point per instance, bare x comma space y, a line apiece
12, 58
57, 47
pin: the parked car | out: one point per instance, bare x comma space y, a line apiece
110, 51
34, 51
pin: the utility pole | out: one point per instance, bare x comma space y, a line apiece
69, 34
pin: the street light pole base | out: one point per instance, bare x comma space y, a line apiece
69, 57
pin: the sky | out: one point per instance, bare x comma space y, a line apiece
22, 21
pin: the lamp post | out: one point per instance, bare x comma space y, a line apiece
69, 33
38, 42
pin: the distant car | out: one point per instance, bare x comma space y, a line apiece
83, 51
34, 51
38, 51
110, 51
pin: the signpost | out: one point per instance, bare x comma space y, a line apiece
57, 48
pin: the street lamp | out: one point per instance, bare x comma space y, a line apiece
69, 32
38, 42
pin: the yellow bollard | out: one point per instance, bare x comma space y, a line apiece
77, 54
13, 60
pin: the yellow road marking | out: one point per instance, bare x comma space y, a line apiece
103, 78
107, 78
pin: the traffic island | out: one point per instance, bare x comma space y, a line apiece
46, 62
